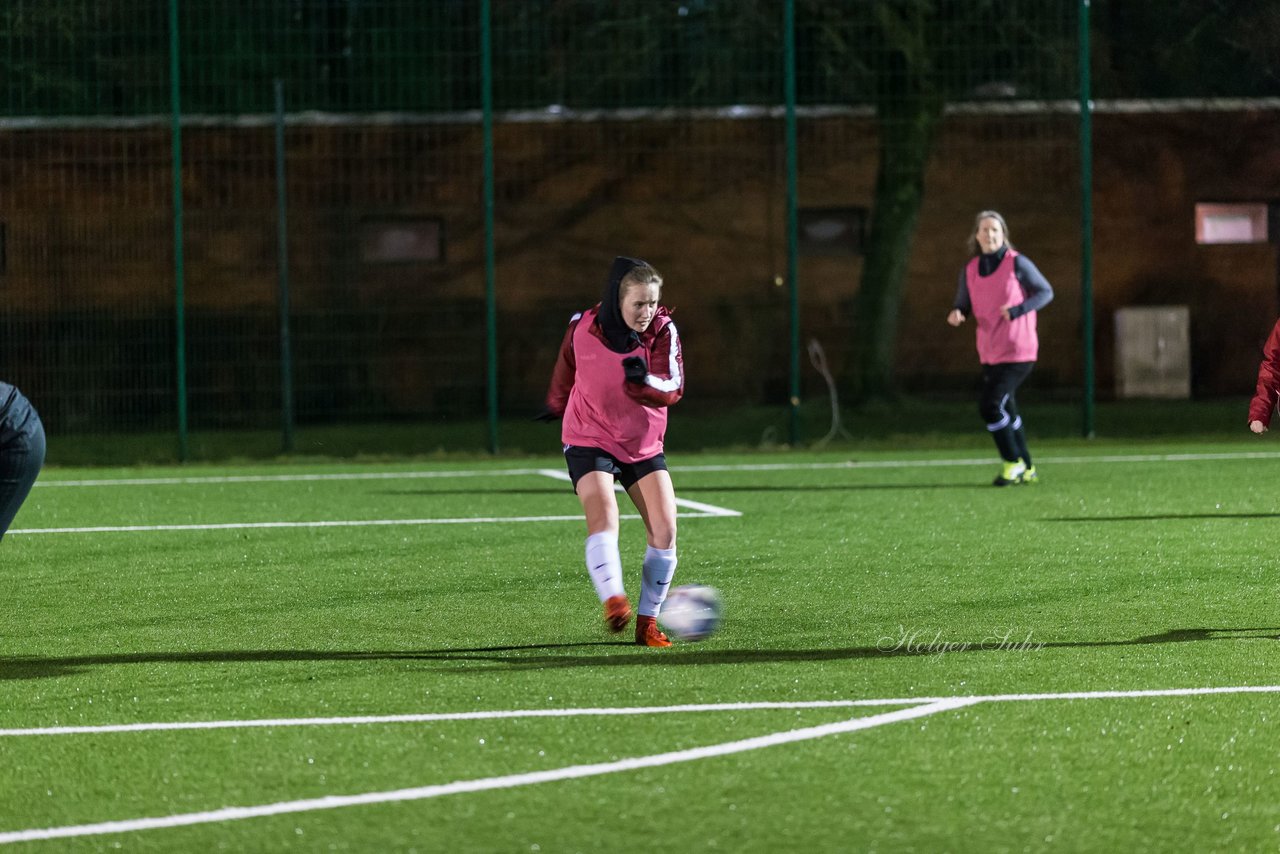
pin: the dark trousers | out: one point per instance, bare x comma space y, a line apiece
998, 406
22, 447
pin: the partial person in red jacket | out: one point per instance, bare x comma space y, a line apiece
1263, 405
619, 368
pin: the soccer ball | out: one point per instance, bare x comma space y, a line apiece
691, 612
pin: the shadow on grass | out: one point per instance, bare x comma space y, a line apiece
611, 653
1162, 517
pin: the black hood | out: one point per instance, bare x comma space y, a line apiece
620, 337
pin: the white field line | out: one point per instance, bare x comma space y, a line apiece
284, 478
508, 714
553, 775
703, 509
984, 461
501, 714
353, 523
918, 707
847, 464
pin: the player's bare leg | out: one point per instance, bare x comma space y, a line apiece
604, 564
655, 498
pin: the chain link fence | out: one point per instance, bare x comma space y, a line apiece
153, 226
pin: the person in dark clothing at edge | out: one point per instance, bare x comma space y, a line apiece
1003, 290
22, 447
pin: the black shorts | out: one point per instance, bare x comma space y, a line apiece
583, 460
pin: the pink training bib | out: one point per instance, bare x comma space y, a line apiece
1001, 340
599, 413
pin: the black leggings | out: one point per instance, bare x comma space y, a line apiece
996, 402
999, 408
22, 447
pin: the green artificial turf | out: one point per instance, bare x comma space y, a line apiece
858, 574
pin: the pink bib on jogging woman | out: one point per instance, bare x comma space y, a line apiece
1000, 340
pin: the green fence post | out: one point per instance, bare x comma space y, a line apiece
793, 217
490, 298
282, 260
1086, 219
179, 273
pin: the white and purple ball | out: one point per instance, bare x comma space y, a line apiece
691, 612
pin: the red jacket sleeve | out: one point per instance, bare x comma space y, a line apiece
664, 384
562, 375
1264, 399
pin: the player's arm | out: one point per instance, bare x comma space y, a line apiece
1264, 398
1039, 292
962, 307
562, 375
662, 380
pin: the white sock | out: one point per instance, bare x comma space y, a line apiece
604, 564
659, 567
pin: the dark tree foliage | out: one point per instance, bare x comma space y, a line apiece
1187, 49
90, 57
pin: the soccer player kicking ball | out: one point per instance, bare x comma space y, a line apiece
619, 369
1264, 400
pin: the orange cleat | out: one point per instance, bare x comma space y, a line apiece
617, 613
648, 633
